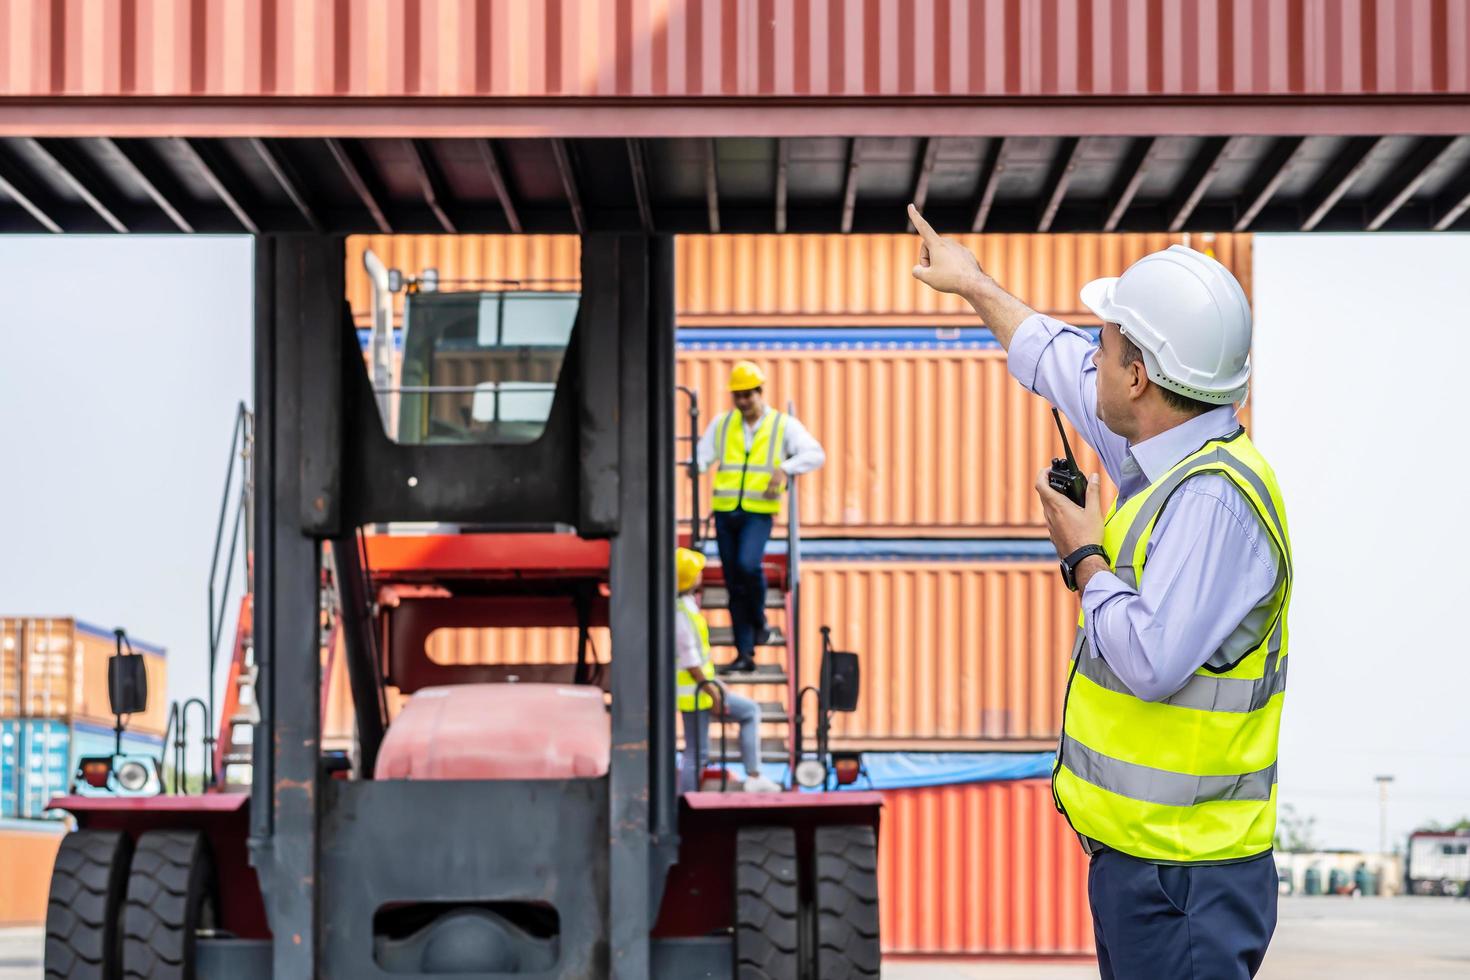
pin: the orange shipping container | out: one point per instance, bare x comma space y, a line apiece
64, 673
786, 280
981, 868
11, 645
27, 852
953, 652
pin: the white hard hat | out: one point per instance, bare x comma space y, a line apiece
1188, 315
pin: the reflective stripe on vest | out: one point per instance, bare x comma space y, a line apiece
685, 686
1191, 777
746, 470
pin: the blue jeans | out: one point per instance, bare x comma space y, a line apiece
742, 538
1201, 922
696, 739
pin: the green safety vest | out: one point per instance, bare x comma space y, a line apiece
745, 471
686, 686
1191, 778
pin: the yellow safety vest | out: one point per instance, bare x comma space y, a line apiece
746, 470
685, 684
1191, 778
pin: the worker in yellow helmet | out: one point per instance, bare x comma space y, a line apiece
697, 702
1166, 767
757, 450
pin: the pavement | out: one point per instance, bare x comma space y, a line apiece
1344, 938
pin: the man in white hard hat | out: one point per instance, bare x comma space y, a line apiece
1167, 762
757, 450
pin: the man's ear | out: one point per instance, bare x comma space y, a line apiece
1137, 379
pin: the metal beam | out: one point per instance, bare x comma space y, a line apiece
343, 155
275, 161
1201, 174
1269, 177
431, 183
711, 187
640, 183
569, 183
1142, 156
990, 170
23, 189
783, 160
1453, 203
928, 153
212, 168
77, 174
1069, 156
144, 170
491, 158
1414, 170
1340, 175
849, 190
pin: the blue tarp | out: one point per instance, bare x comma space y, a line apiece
910, 770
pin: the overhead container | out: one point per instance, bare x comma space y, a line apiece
38, 757
790, 280
64, 673
27, 853
981, 869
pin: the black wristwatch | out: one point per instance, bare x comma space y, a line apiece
1070, 563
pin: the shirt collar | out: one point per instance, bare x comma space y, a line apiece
1158, 455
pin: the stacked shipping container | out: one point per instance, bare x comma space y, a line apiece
54, 707
964, 633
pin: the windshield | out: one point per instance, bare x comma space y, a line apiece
481, 367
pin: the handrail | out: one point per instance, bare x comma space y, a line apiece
793, 611
692, 464
242, 443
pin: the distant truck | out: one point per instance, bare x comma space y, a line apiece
1439, 862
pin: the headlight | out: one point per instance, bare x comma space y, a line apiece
132, 776
810, 773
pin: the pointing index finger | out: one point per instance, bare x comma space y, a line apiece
929, 235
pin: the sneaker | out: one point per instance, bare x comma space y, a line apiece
760, 784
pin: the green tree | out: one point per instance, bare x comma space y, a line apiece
1294, 831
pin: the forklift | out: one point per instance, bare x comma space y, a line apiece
508, 820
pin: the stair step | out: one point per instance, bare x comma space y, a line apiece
718, 597
774, 713
238, 758
772, 749
724, 636
763, 674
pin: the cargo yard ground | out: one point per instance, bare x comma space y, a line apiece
1350, 939
1362, 939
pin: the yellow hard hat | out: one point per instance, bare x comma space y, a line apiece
687, 566
746, 375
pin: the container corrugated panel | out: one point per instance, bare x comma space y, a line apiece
780, 279
731, 48
951, 650
775, 279
27, 853
919, 442
981, 868
11, 649
64, 673
38, 757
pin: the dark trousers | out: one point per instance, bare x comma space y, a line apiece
742, 538
1200, 922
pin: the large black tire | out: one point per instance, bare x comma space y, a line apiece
846, 894
82, 910
170, 898
767, 937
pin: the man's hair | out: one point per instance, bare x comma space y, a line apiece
1172, 398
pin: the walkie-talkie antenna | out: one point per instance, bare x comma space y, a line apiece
1065, 445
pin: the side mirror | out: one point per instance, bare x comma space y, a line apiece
127, 683
843, 680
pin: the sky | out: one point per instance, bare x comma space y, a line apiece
124, 360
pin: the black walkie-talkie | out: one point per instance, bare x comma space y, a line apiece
1064, 476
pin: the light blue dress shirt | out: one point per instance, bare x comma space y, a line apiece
1210, 560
